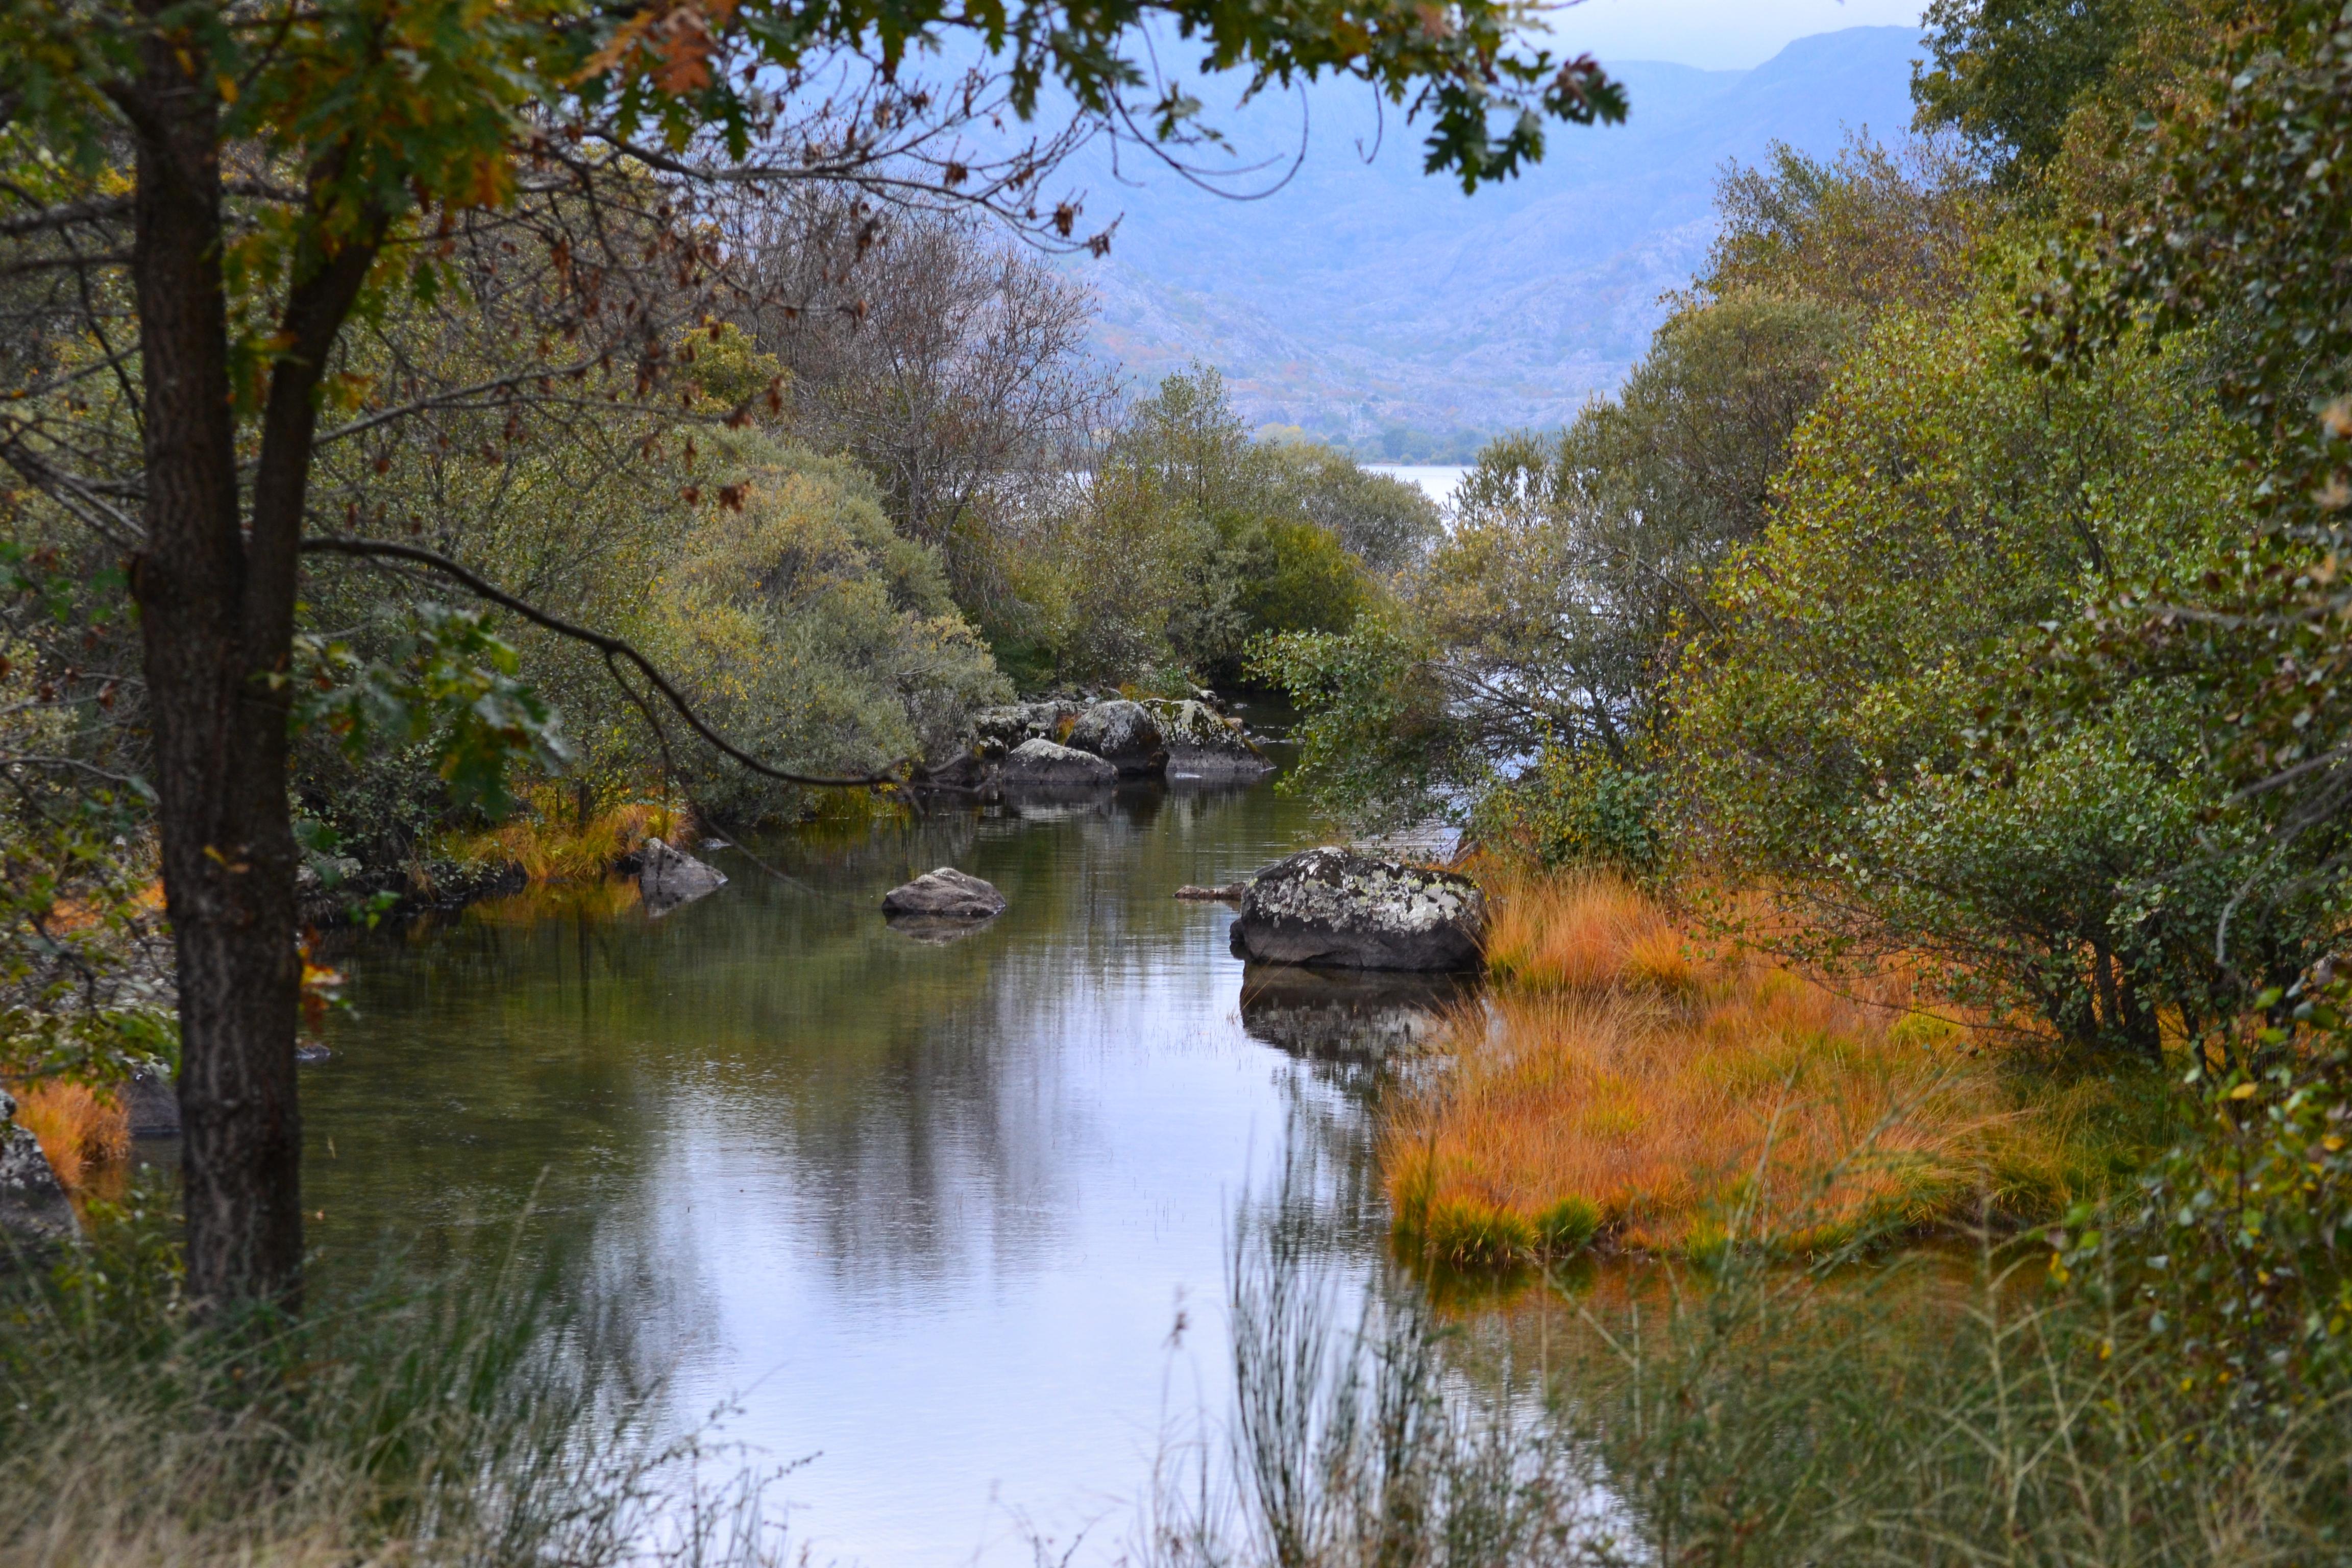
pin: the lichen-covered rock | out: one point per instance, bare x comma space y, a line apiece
945, 894
1123, 735
997, 731
33, 1207
1043, 763
1204, 743
667, 878
1350, 910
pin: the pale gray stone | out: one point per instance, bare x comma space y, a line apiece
1350, 911
946, 894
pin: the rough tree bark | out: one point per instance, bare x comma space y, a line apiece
217, 612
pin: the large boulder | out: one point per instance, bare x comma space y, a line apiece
33, 1207
1204, 743
1123, 735
668, 877
945, 894
1041, 762
1350, 911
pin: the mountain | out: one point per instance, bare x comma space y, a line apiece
1368, 302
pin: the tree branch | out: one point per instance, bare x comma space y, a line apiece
612, 648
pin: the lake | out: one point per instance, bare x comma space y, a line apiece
945, 1223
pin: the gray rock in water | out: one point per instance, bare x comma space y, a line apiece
152, 1104
996, 730
1123, 735
1041, 761
667, 878
33, 1207
946, 893
1350, 910
1205, 743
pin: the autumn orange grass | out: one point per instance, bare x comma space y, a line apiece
1669, 1093
78, 1128
548, 841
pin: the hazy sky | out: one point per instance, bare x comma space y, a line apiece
1717, 34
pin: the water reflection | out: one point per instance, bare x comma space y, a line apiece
927, 1211
1349, 1014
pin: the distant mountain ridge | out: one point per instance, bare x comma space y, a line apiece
1367, 304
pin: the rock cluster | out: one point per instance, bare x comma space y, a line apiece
1028, 745
1350, 911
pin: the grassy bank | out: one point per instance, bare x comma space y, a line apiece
1632, 1082
418, 1420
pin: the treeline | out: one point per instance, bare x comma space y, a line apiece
1855, 592
888, 488
1954, 589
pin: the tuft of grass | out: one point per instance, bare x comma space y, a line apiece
1682, 1095
80, 1128
412, 1421
548, 840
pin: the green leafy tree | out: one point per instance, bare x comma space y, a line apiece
1856, 727
2006, 74
562, 169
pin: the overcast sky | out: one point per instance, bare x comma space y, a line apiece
1721, 35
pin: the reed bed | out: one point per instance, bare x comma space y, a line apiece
549, 841
1670, 1094
83, 1130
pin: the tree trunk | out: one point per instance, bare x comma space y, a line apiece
219, 724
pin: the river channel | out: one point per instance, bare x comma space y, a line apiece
943, 1225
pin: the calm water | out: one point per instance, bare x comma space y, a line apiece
947, 1221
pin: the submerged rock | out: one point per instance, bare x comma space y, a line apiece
1205, 743
667, 878
1041, 761
945, 894
33, 1207
1123, 735
1350, 910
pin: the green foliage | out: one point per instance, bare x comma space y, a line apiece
1576, 808
2007, 73
447, 677
1191, 540
808, 629
1871, 228
1841, 727
2230, 1256
1567, 1227
2239, 248
1387, 523
1375, 741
